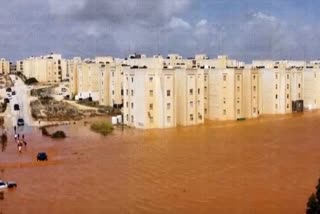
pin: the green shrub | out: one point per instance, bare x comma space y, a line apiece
103, 128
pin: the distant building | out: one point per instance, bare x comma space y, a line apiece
4, 66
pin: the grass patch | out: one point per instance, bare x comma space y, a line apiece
103, 128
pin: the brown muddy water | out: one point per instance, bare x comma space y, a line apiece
269, 165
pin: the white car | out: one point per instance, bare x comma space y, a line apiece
9, 184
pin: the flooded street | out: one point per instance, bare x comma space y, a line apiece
269, 165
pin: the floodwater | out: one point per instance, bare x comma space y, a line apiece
268, 165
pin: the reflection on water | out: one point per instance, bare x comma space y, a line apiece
260, 166
3, 141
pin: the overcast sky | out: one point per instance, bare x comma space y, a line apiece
242, 29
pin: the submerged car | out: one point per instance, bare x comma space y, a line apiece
20, 122
42, 156
16, 107
9, 184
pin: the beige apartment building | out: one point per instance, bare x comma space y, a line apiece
312, 85
88, 80
72, 74
282, 88
19, 64
4, 66
104, 89
251, 97
149, 97
190, 96
50, 68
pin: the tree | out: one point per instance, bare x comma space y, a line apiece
313, 205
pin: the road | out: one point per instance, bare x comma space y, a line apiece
22, 98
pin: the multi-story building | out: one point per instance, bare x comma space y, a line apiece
4, 66
88, 80
190, 96
72, 75
19, 66
48, 68
311, 85
251, 97
281, 88
149, 97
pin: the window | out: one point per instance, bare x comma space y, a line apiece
131, 79
224, 77
205, 111
254, 88
168, 106
127, 117
288, 76
150, 79
205, 78
287, 106
127, 92
112, 92
287, 86
151, 106
276, 76
127, 104
276, 86
254, 110
191, 117
224, 112
254, 77
238, 111
276, 96
299, 85
205, 89
287, 96
191, 104
238, 77
132, 105
238, 89
199, 116
299, 95
151, 93
191, 91
168, 93
131, 92
113, 74
168, 119
132, 119
198, 90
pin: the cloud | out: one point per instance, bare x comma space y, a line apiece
143, 12
202, 22
178, 23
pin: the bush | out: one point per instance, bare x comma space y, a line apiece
59, 134
31, 81
45, 132
103, 128
313, 205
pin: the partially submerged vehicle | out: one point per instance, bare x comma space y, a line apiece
42, 156
7, 184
